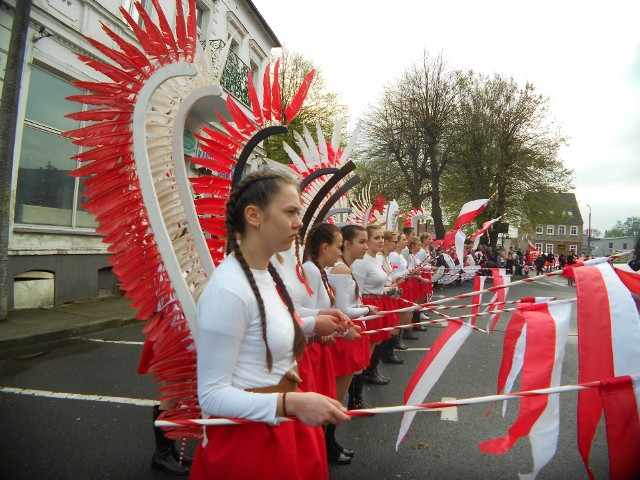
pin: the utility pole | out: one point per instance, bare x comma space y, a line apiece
589, 234
8, 120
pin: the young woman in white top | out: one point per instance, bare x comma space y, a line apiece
248, 340
322, 251
350, 358
372, 274
399, 261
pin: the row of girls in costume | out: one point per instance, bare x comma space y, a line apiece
248, 342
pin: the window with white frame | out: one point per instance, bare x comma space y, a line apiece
562, 230
539, 247
549, 248
46, 194
550, 229
573, 230
539, 229
573, 249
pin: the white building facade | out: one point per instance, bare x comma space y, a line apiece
56, 253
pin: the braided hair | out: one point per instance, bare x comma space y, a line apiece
321, 233
259, 189
349, 233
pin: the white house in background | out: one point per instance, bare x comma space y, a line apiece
55, 253
601, 247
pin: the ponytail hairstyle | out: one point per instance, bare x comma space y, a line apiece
259, 189
319, 234
349, 233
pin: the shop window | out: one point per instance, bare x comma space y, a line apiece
46, 194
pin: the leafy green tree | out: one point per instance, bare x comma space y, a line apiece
321, 105
630, 227
506, 145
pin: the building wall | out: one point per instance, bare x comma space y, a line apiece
601, 247
49, 231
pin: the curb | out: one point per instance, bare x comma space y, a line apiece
39, 342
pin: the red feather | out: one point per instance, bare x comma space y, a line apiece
276, 99
136, 56
230, 128
191, 31
244, 123
98, 114
114, 73
154, 34
167, 34
255, 103
140, 34
296, 103
266, 93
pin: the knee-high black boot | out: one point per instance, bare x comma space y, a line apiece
163, 458
355, 393
371, 374
388, 355
336, 455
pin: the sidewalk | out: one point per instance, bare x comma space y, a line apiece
26, 330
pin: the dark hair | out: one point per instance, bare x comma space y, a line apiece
319, 234
259, 189
408, 230
349, 233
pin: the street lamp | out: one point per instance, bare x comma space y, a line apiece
589, 234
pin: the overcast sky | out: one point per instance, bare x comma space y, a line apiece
584, 56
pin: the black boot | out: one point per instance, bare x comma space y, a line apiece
355, 393
370, 373
163, 458
407, 334
419, 317
334, 455
330, 438
398, 344
388, 355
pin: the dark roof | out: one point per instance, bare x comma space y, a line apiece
264, 23
559, 208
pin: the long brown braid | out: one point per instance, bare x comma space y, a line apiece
349, 233
318, 235
258, 189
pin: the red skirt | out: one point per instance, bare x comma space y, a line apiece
305, 370
322, 366
378, 322
291, 450
426, 289
349, 357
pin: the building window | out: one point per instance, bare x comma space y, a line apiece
550, 229
539, 247
573, 230
562, 230
549, 248
573, 249
46, 194
610, 244
539, 230
624, 246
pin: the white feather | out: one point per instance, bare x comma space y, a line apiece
322, 146
337, 134
295, 158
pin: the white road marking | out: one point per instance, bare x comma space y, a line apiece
100, 340
417, 349
141, 402
450, 413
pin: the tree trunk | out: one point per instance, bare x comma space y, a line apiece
8, 119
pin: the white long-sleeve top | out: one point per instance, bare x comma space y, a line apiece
320, 298
347, 301
370, 274
423, 256
231, 351
399, 265
296, 288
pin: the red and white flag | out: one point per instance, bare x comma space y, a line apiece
545, 327
485, 226
430, 369
476, 300
469, 211
499, 297
608, 346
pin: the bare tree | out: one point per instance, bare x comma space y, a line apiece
8, 119
407, 134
